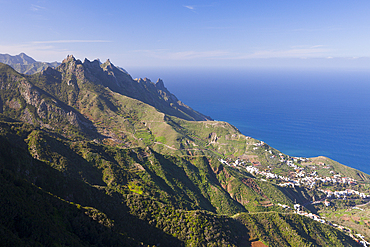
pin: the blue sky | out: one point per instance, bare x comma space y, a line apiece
164, 33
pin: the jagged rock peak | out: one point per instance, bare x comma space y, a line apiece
96, 63
97, 60
108, 64
71, 58
143, 80
160, 85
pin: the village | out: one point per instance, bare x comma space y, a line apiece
301, 179
298, 176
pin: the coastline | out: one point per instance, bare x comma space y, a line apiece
301, 113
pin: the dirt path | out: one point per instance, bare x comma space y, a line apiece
362, 204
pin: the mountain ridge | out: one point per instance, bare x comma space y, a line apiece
114, 152
22, 58
25, 64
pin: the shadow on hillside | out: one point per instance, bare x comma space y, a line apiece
297, 195
17, 162
177, 176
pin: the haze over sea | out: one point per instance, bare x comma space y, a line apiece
303, 113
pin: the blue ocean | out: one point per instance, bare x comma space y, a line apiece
303, 113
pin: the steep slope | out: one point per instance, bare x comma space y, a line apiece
93, 194
93, 76
60, 188
21, 100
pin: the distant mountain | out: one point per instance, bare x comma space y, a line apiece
18, 59
25, 64
91, 157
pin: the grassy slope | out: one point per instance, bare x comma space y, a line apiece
276, 229
341, 169
354, 218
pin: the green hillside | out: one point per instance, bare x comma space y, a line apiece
114, 161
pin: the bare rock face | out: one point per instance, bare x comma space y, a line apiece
14, 104
160, 85
30, 93
73, 118
72, 71
213, 137
46, 107
27, 116
51, 111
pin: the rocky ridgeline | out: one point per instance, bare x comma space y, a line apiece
76, 73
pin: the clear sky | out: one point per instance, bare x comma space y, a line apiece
190, 33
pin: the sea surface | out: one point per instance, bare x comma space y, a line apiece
305, 113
